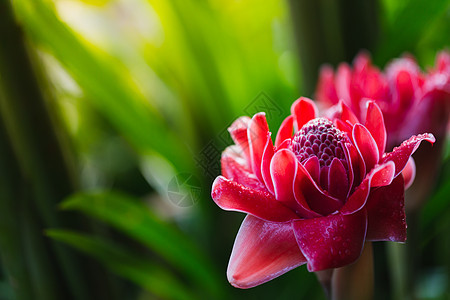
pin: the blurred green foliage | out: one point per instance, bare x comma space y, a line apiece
145, 86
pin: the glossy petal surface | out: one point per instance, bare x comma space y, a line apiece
265, 164
401, 154
257, 132
283, 169
303, 110
332, 241
375, 125
285, 131
366, 146
379, 176
337, 180
234, 167
230, 195
261, 252
306, 189
386, 213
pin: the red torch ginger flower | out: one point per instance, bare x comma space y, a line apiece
411, 102
314, 197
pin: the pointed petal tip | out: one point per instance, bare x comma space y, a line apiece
261, 252
401, 154
285, 131
236, 281
381, 175
241, 122
366, 145
303, 110
215, 189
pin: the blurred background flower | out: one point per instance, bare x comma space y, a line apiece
113, 118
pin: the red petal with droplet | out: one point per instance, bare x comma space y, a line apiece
400, 155
230, 195
386, 213
262, 251
234, 167
332, 241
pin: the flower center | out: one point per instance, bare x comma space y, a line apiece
320, 138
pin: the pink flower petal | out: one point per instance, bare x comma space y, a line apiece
234, 167
323, 177
409, 172
265, 164
303, 110
400, 155
343, 80
230, 195
283, 169
443, 61
238, 132
312, 165
337, 180
375, 124
343, 126
285, 144
383, 175
262, 251
285, 131
350, 167
257, 137
332, 241
368, 81
386, 213
380, 176
405, 88
306, 189
366, 146
347, 114
326, 91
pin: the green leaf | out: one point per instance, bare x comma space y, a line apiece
135, 219
146, 274
107, 83
408, 24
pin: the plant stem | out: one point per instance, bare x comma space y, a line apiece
355, 281
324, 278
